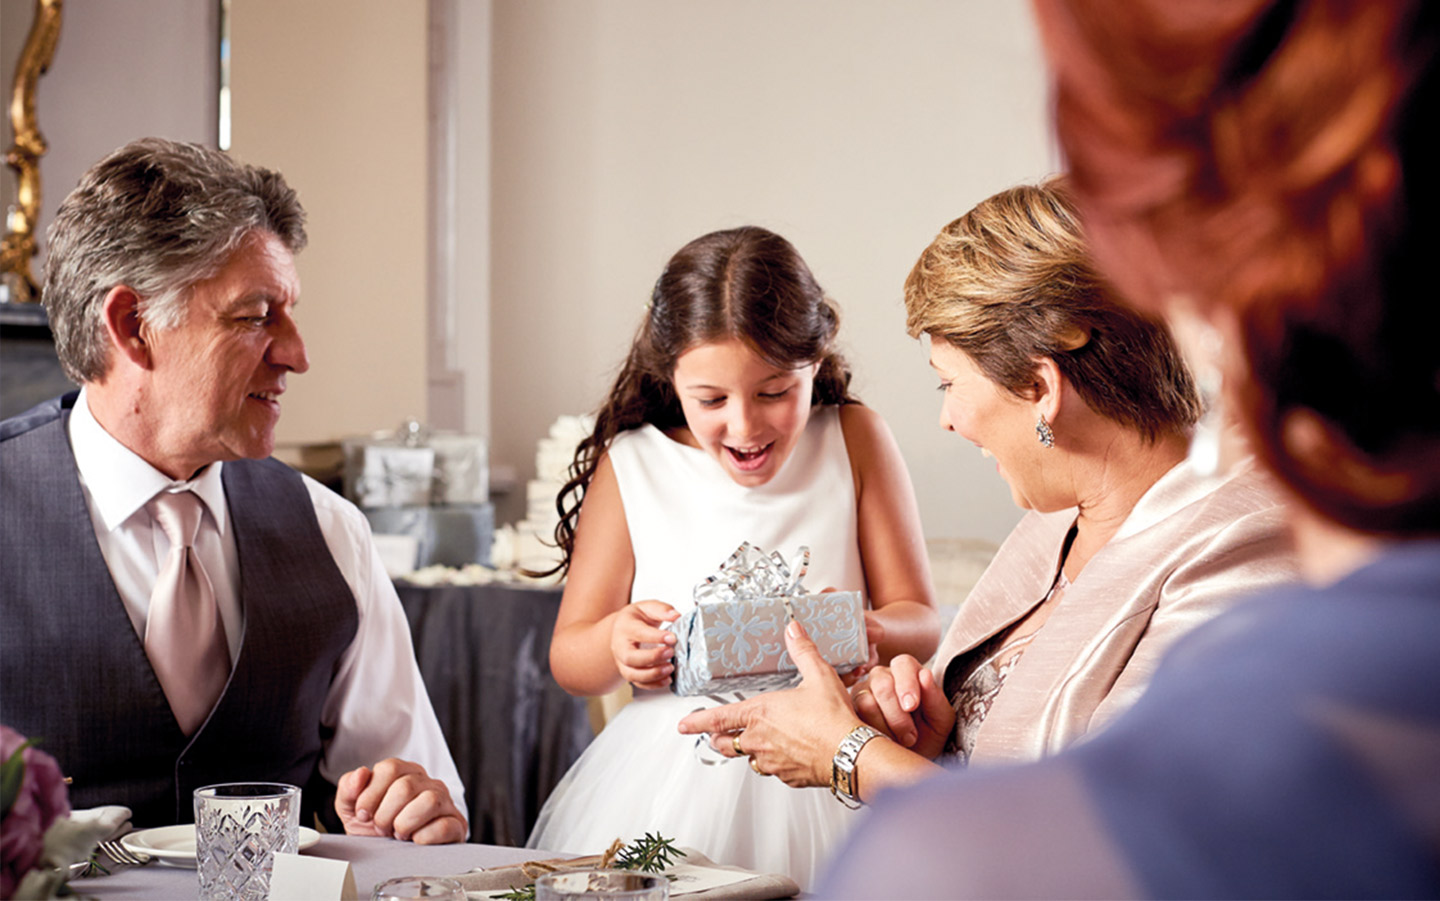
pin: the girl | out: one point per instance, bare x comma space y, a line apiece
730, 421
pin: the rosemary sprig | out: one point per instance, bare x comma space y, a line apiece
651, 854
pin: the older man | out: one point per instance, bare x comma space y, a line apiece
179, 608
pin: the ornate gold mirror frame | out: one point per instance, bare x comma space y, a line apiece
24, 155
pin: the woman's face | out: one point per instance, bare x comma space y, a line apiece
741, 410
994, 420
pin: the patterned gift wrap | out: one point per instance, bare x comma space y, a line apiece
733, 639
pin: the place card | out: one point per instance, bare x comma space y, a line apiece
317, 878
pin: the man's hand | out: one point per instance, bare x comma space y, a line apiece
398, 799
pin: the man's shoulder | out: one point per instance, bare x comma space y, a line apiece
277, 475
37, 416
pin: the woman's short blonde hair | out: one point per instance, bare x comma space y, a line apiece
1012, 282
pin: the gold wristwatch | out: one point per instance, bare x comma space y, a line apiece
843, 782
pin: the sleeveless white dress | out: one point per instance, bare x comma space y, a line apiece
686, 516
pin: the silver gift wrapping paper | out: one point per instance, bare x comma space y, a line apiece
733, 639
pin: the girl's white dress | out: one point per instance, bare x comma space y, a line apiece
686, 516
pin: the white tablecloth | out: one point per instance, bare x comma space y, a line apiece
374, 861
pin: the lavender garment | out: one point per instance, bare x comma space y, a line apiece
1286, 749
1190, 549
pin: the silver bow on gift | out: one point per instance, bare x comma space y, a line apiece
750, 574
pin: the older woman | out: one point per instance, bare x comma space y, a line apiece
1087, 409
1269, 167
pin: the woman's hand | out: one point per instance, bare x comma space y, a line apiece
904, 701
791, 734
644, 653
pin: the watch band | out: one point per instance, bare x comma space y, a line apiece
844, 784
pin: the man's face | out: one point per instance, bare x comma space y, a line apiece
217, 378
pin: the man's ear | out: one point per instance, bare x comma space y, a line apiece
1047, 388
121, 311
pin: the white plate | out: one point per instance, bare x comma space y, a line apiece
175, 845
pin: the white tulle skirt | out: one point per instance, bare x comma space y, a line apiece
641, 775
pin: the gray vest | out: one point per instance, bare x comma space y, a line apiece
75, 674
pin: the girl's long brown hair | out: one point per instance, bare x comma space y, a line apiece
747, 283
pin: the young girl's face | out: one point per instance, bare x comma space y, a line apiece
741, 410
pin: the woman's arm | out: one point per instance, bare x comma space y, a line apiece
602, 640
892, 543
794, 734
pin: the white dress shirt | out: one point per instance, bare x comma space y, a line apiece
377, 703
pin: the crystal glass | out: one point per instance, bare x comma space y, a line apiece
418, 888
610, 884
239, 826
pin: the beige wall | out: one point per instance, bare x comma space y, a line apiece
857, 129
121, 71
592, 140
333, 95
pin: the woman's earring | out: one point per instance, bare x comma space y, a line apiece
1044, 432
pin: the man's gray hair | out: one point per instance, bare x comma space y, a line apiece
156, 216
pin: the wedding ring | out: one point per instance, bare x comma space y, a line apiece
756, 767
735, 743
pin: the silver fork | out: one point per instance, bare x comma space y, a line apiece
123, 855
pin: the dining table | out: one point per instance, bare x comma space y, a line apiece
484, 653
373, 860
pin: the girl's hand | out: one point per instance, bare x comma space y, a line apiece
904, 701
874, 634
644, 652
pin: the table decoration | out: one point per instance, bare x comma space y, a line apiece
733, 638
40, 842
616, 885
651, 854
695, 878
418, 888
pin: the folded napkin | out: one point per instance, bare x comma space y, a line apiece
111, 821
751, 886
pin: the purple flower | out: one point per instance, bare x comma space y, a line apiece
39, 800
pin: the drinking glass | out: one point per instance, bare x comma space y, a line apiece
614, 885
239, 826
418, 888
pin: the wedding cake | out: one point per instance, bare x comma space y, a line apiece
530, 543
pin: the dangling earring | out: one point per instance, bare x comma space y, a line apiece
1044, 433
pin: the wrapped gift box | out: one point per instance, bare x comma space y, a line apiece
384, 474
733, 639
462, 469
740, 645
455, 535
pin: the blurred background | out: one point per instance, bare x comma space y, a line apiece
494, 185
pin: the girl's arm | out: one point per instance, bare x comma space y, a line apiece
892, 543
599, 634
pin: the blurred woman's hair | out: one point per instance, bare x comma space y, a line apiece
747, 283
1012, 281
1275, 164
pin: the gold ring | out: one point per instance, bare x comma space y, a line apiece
756, 767
735, 743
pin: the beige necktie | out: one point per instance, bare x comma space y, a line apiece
183, 633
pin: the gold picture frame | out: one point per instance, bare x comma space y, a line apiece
24, 155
